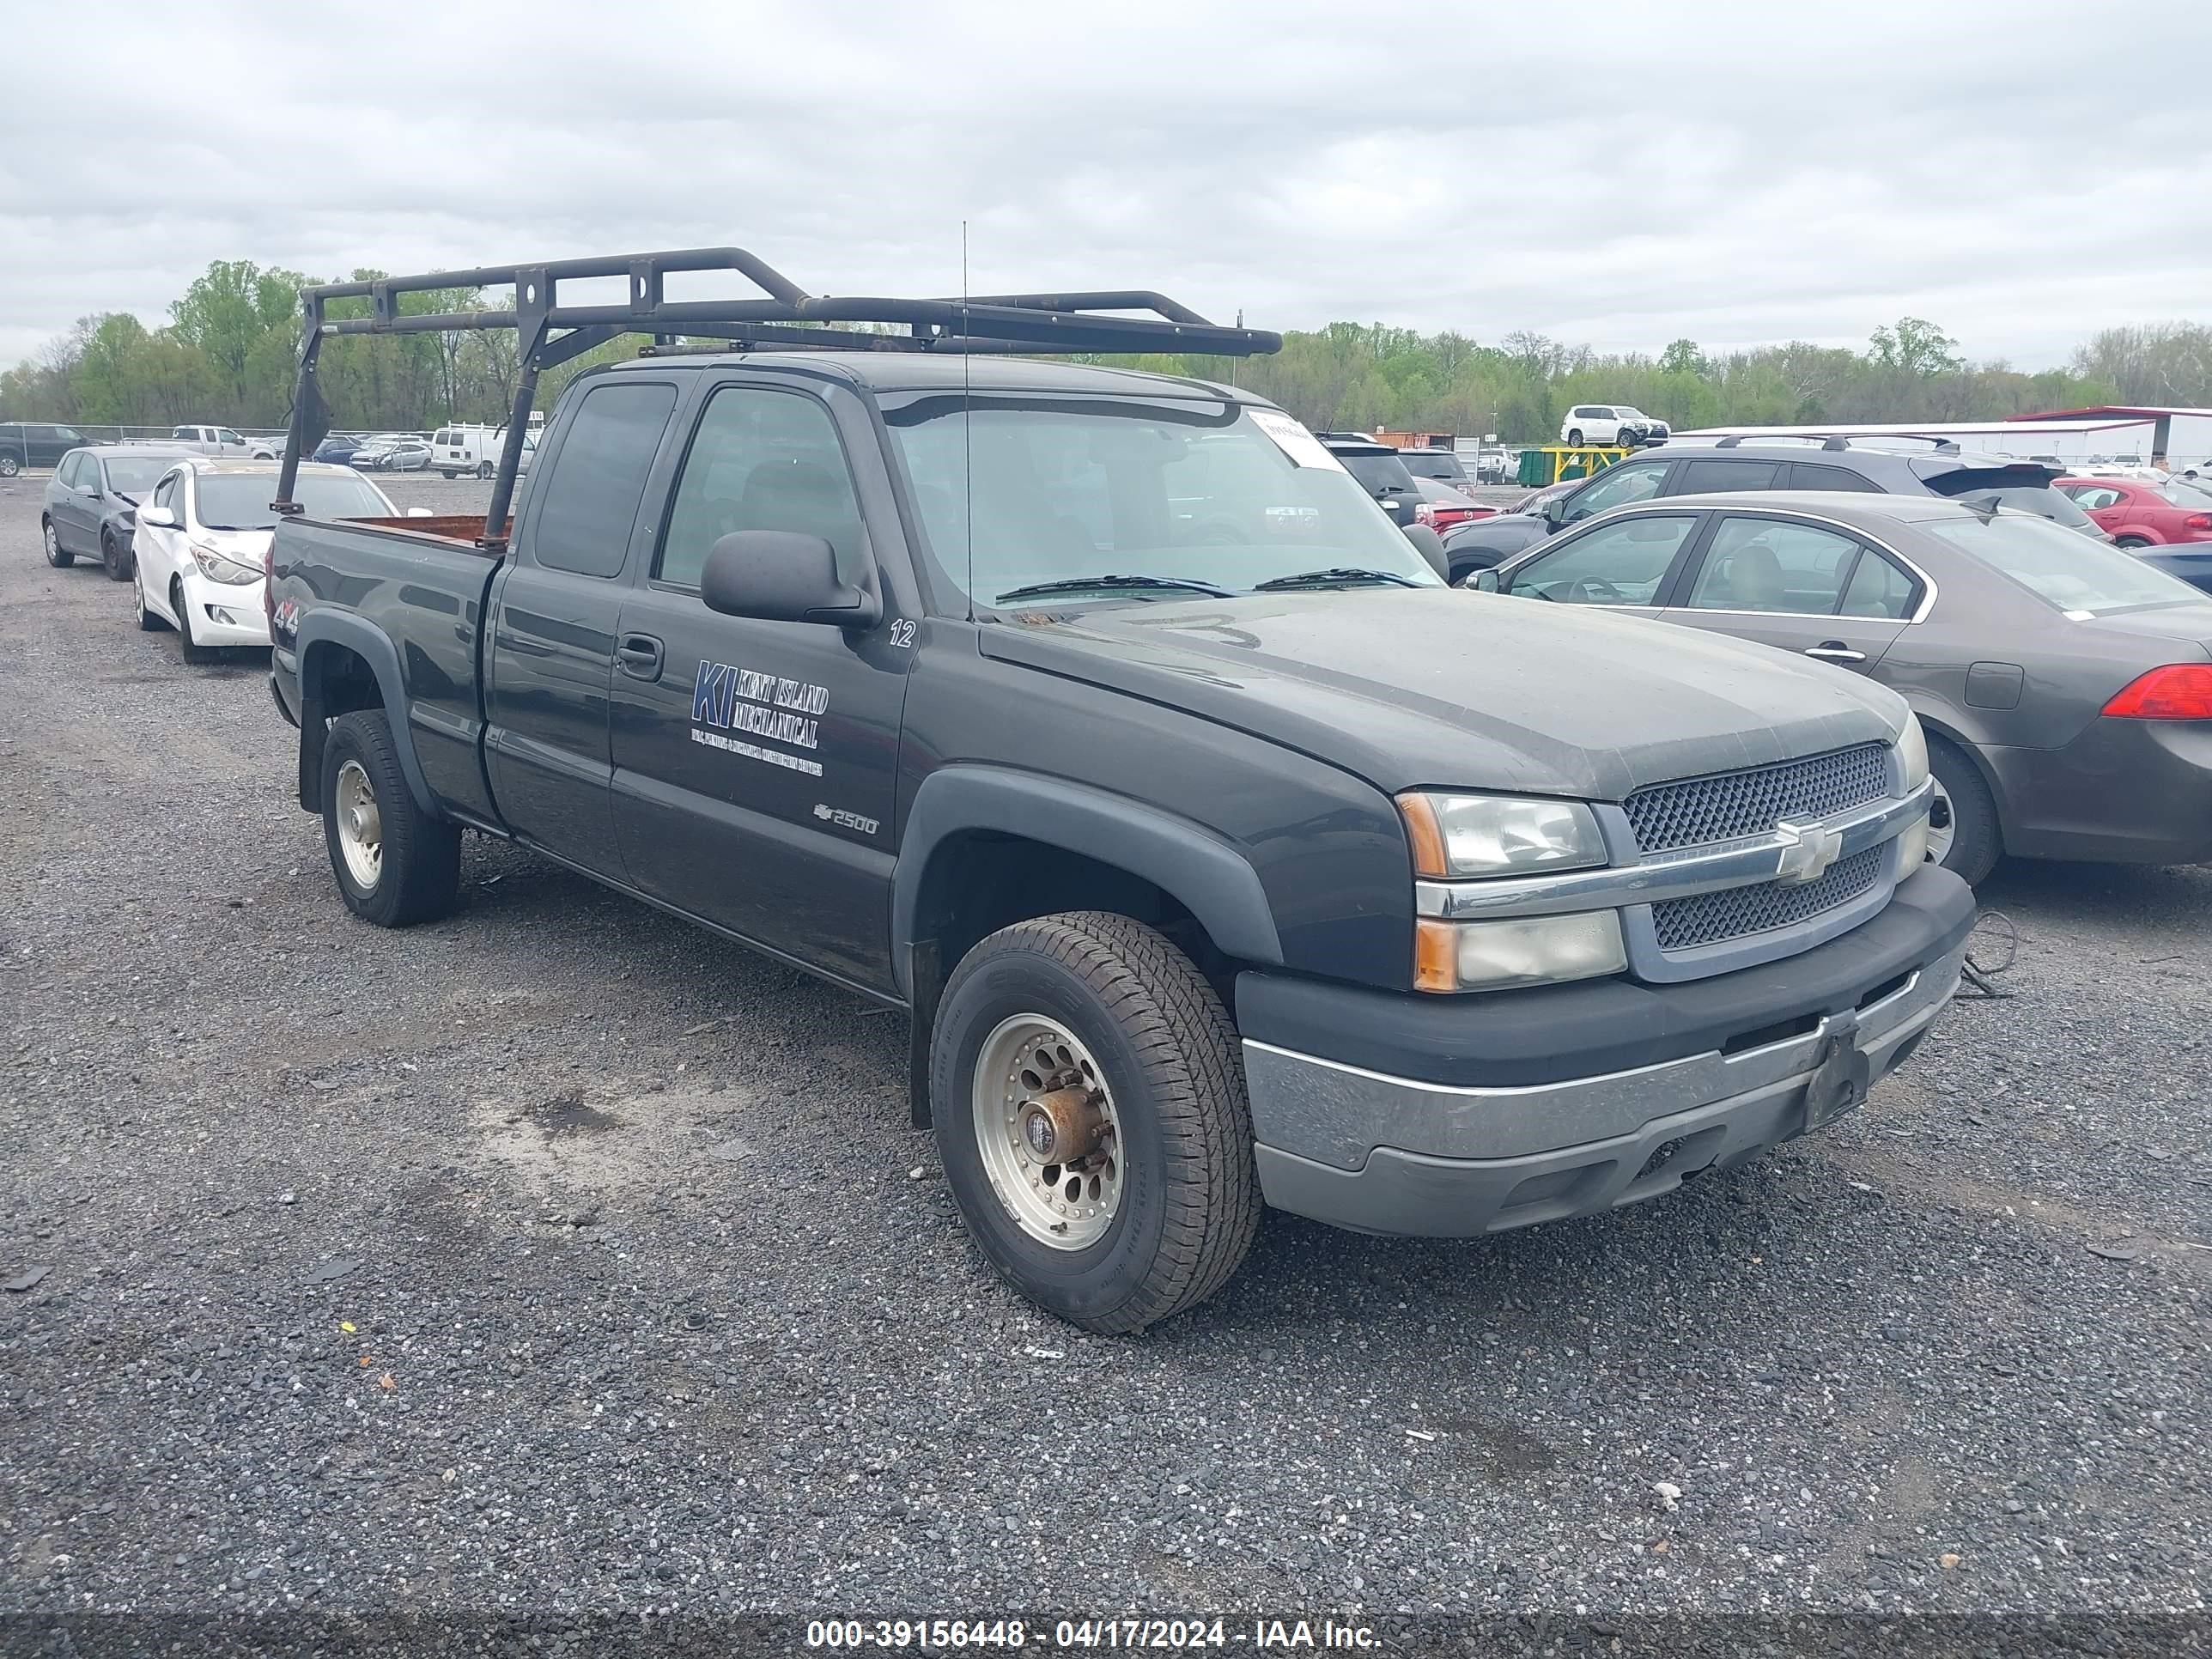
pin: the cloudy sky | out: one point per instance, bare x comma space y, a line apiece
2023, 174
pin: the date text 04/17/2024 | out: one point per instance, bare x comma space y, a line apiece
1286, 1635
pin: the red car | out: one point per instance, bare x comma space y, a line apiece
2141, 515
1444, 509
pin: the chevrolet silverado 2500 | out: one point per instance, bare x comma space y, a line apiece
1220, 855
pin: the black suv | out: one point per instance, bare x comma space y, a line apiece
1380, 469
1890, 467
1443, 465
35, 443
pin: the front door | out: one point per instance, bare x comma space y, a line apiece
755, 763
553, 620
1803, 587
1622, 565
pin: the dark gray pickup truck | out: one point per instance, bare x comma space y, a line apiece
1220, 855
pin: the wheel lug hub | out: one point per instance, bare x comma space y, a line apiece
1062, 1127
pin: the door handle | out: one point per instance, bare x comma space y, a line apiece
1834, 651
640, 656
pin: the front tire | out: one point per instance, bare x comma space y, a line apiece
149, 619
114, 560
1088, 1094
189, 649
56, 556
1964, 835
447, 476
395, 863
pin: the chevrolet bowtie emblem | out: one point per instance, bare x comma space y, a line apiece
1807, 850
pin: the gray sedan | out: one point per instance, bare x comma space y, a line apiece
2065, 686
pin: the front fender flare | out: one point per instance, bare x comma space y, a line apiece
1202, 871
373, 647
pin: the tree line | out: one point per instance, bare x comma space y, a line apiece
229, 353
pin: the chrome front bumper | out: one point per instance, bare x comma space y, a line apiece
1388, 1154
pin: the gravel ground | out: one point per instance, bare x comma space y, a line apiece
559, 1256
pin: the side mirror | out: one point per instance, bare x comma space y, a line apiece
160, 517
1482, 581
420, 513
779, 575
1555, 511
1430, 546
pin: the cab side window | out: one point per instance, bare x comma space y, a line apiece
167, 493
72, 474
584, 524
762, 460
1617, 564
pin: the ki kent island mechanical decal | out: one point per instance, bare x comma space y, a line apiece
726, 700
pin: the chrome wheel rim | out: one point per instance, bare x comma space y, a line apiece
53, 546
361, 826
138, 595
1049, 1137
1942, 825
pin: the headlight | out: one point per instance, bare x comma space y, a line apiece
1498, 835
1912, 749
217, 567
1493, 956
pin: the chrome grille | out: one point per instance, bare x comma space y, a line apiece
1735, 911
1697, 810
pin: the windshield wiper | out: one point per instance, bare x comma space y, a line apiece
1339, 576
1081, 583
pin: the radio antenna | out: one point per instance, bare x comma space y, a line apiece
967, 433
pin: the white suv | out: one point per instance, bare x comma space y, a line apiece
1620, 424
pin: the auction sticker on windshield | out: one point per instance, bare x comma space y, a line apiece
1293, 439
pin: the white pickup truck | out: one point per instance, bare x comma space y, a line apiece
222, 440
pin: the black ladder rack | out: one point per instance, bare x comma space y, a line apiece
787, 317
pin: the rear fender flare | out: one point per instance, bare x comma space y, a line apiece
1202, 871
373, 647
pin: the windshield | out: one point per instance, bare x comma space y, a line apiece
134, 475
240, 500
2040, 500
1064, 489
2067, 571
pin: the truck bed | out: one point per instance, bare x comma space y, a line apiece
408, 597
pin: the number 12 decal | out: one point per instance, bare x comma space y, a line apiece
903, 633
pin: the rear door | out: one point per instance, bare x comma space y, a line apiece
1818, 589
76, 508
756, 761
554, 617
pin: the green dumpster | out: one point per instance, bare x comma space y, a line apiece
1535, 469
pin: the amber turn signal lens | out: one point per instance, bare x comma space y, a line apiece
1426, 835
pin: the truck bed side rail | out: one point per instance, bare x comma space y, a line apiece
784, 316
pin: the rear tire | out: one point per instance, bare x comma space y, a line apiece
56, 556
2133, 544
114, 559
10, 466
1575, 438
395, 863
447, 476
484, 470
189, 649
1163, 1069
1977, 840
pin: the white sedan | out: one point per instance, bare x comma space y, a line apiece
204, 534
